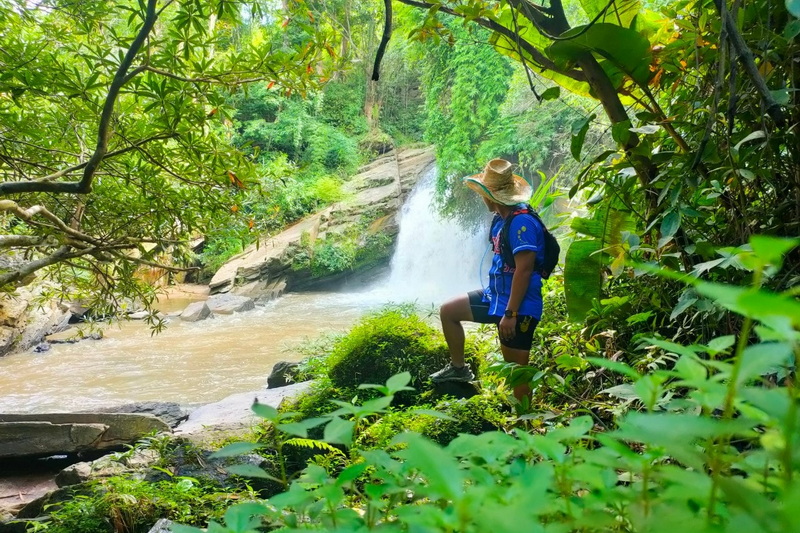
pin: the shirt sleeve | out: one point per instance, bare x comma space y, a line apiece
526, 233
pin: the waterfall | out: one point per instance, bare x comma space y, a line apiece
435, 258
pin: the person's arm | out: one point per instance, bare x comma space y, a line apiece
525, 260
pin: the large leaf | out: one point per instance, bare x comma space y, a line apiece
619, 12
582, 279
625, 48
606, 224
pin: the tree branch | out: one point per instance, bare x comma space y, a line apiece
20, 241
27, 269
746, 58
537, 55
387, 33
27, 214
43, 185
84, 186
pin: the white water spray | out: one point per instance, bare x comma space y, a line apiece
435, 258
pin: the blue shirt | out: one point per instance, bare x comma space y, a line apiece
525, 233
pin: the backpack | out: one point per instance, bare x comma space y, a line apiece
551, 247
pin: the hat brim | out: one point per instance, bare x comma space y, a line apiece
520, 193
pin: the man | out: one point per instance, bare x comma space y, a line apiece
513, 299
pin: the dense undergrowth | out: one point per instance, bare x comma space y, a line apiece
627, 430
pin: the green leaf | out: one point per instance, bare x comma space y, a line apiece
621, 132
350, 473
615, 366
265, 411
625, 48
237, 448
582, 277
792, 30
764, 358
720, 344
579, 129
399, 382
444, 475
691, 369
239, 518
621, 12
339, 431
300, 429
781, 96
250, 471
771, 250
670, 224
551, 94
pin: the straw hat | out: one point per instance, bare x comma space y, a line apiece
499, 184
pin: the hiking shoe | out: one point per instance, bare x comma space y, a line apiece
452, 373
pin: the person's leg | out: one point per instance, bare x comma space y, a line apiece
466, 308
518, 350
452, 313
522, 358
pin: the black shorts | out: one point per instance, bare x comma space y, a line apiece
526, 325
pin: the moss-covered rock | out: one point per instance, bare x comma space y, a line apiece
386, 344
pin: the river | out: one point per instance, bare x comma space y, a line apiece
203, 362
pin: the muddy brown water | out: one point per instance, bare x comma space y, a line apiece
188, 363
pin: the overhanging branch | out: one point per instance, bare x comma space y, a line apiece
536, 55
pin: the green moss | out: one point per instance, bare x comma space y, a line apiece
385, 344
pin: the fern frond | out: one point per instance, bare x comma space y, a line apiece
312, 444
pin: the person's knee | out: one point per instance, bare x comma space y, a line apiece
455, 311
447, 312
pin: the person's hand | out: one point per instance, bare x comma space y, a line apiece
507, 328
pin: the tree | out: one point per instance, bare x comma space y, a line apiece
702, 98
113, 127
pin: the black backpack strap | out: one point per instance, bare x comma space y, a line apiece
506, 253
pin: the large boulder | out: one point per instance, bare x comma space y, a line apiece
170, 412
24, 435
283, 373
227, 304
162, 526
232, 415
195, 312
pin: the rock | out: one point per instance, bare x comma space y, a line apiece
74, 474
42, 347
283, 374
108, 466
162, 526
138, 315
25, 319
232, 414
456, 389
170, 412
226, 304
195, 312
27, 435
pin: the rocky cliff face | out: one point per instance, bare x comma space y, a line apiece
339, 242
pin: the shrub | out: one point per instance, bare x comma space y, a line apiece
119, 504
385, 344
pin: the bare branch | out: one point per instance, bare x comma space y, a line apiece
20, 241
27, 214
26, 270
